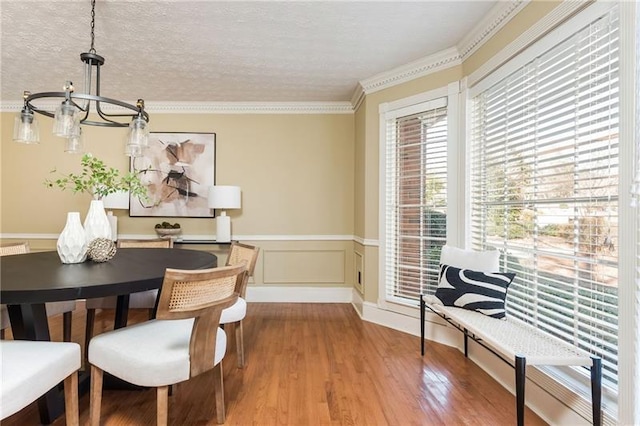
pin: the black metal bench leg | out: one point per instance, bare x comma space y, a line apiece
466, 343
422, 309
521, 373
596, 390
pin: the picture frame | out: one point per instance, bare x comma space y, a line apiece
177, 168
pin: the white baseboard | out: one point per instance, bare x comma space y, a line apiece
298, 294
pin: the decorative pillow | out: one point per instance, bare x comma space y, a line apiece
484, 261
484, 292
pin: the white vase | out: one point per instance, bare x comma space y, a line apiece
72, 242
96, 224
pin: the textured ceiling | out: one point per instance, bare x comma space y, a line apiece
222, 51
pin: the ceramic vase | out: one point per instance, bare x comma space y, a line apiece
72, 242
96, 224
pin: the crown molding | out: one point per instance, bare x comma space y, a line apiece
218, 107
416, 69
250, 107
565, 10
358, 97
502, 13
497, 18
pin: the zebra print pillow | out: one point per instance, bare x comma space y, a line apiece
484, 292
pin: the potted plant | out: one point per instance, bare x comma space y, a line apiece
98, 180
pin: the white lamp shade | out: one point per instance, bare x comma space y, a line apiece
224, 197
117, 200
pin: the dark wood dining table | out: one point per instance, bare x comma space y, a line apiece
28, 281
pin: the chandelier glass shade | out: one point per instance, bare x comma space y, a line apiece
25, 127
87, 108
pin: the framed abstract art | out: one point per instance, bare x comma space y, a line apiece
177, 169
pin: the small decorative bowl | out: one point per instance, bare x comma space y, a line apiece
168, 232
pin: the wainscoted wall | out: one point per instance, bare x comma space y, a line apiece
303, 266
305, 271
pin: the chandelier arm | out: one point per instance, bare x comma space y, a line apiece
97, 99
34, 96
105, 115
86, 111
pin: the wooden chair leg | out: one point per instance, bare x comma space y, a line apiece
66, 326
218, 385
163, 405
239, 343
72, 412
88, 331
96, 396
2, 334
151, 315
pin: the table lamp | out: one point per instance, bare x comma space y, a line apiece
117, 200
224, 197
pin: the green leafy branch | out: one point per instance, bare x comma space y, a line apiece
99, 180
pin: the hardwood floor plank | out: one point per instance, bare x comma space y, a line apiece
314, 364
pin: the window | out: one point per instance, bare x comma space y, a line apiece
544, 187
415, 200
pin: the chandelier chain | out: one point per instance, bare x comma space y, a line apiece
93, 25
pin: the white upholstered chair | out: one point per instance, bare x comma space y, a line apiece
141, 300
248, 255
53, 308
30, 369
183, 341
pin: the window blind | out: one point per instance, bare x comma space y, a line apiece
415, 204
544, 187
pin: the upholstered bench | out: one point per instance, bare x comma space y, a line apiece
518, 344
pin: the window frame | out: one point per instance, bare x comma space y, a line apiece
455, 177
627, 262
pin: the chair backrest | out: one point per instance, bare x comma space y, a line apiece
152, 243
243, 254
17, 248
8, 250
200, 294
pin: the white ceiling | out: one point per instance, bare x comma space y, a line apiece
225, 51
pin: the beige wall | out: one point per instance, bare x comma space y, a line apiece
295, 171
360, 178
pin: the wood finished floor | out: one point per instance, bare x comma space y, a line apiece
316, 364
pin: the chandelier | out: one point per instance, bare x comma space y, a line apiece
74, 110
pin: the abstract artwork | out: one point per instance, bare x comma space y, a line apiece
177, 169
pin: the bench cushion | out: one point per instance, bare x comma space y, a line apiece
484, 292
512, 337
485, 261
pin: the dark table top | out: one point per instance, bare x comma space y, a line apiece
42, 277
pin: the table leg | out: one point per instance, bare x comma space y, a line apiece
122, 311
29, 322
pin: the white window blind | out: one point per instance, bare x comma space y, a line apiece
544, 187
415, 204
